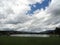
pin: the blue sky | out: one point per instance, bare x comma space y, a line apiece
39, 6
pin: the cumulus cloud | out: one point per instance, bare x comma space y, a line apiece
35, 1
13, 16
50, 17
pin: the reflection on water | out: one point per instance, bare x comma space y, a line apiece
30, 35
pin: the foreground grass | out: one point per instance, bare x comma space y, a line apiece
6, 40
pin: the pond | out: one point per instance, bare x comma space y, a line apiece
31, 35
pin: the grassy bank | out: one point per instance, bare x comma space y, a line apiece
6, 40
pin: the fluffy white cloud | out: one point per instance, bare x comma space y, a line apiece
34, 1
48, 19
13, 16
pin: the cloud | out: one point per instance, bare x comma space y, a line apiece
50, 18
13, 16
54, 7
35, 1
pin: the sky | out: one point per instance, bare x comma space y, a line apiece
29, 15
39, 6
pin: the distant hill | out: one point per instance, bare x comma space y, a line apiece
6, 32
48, 32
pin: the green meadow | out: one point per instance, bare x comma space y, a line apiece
7, 40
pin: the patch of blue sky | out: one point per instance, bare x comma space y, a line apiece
39, 6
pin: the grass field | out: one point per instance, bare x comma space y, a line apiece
7, 40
